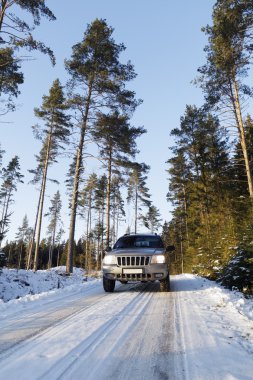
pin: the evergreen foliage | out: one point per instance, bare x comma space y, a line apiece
54, 134
210, 173
138, 192
97, 89
152, 220
11, 176
237, 273
16, 33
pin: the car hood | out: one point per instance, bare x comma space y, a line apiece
137, 251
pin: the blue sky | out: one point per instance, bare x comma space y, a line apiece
164, 42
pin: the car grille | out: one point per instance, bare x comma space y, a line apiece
134, 277
133, 261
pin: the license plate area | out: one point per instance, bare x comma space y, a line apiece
133, 271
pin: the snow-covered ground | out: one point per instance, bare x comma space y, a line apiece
197, 331
16, 284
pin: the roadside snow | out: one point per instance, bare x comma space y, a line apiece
224, 297
216, 327
198, 331
21, 287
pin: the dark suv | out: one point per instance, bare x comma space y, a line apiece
137, 257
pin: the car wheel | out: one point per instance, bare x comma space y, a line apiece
108, 285
165, 284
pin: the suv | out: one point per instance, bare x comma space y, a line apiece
137, 257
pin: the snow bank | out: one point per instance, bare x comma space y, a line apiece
223, 297
21, 286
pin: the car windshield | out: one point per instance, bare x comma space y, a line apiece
139, 242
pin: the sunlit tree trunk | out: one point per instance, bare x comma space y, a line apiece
240, 126
108, 198
43, 188
69, 263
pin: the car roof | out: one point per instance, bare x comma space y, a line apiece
140, 234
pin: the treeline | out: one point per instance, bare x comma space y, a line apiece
94, 107
211, 165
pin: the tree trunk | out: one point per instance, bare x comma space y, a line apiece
99, 253
33, 237
5, 214
51, 248
69, 263
102, 228
2, 219
20, 256
136, 209
108, 198
87, 236
117, 224
58, 255
2, 14
43, 187
186, 216
240, 126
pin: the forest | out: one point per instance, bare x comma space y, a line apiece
210, 167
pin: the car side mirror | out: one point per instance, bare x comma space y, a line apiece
108, 249
170, 248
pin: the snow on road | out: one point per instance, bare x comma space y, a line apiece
198, 331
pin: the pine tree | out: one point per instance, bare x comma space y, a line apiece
55, 133
60, 244
97, 81
117, 202
201, 190
100, 204
23, 237
16, 33
116, 139
11, 177
87, 202
55, 221
1, 158
229, 54
137, 189
152, 220
10, 78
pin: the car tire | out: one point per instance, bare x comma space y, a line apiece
108, 285
165, 284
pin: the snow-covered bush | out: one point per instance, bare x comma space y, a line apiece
238, 273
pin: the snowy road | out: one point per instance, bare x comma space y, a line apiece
194, 332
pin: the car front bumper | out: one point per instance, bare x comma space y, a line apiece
151, 272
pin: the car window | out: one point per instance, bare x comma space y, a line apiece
139, 242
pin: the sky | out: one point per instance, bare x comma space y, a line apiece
163, 40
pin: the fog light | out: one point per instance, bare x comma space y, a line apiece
159, 275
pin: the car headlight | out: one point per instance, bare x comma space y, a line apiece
109, 260
158, 259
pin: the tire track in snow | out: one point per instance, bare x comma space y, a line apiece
57, 327
17, 331
208, 336
65, 368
